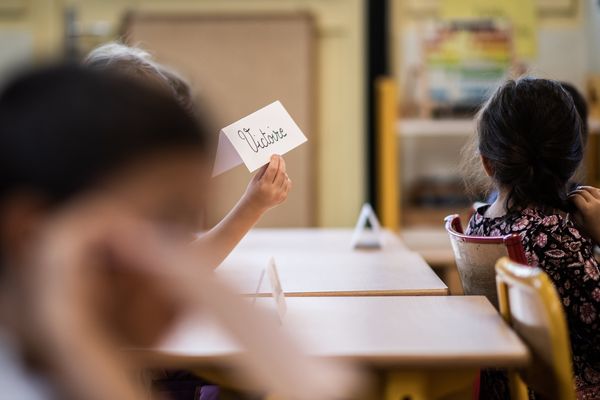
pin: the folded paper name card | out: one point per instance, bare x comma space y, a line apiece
254, 139
364, 238
276, 288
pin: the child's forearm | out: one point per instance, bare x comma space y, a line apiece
217, 243
268, 188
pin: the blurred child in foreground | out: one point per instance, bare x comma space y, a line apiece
72, 178
102, 179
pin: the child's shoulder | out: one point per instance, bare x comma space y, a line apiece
527, 220
551, 219
559, 225
474, 226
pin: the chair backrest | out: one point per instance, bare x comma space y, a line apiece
476, 256
530, 304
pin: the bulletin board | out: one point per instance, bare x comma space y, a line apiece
238, 64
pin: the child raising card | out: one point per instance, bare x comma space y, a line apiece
255, 138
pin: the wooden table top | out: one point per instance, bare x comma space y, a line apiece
389, 332
351, 273
317, 239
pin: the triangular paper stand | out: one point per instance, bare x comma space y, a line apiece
259, 284
364, 238
276, 288
278, 294
227, 156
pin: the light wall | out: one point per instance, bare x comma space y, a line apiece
593, 30
29, 31
340, 90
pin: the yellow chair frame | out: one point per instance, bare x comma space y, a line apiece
512, 275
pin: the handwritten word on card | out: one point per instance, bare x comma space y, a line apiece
254, 139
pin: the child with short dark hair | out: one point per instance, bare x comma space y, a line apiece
530, 143
268, 188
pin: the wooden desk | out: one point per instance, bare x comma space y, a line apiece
404, 331
315, 239
414, 339
348, 273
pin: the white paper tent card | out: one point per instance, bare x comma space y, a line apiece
276, 288
278, 294
255, 138
364, 237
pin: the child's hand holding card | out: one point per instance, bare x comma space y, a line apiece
270, 185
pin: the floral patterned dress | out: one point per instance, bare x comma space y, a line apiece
552, 242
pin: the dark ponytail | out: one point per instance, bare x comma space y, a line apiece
531, 134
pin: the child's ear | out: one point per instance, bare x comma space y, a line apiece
487, 166
20, 218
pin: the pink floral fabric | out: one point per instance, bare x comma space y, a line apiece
553, 242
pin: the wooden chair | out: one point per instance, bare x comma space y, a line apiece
530, 304
476, 256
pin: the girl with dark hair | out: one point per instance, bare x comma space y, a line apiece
530, 143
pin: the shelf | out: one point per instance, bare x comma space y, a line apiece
432, 244
420, 127
423, 231
435, 127
414, 216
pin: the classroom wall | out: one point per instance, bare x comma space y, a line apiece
592, 14
341, 109
29, 31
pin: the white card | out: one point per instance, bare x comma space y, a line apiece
255, 138
359, 238
278, 294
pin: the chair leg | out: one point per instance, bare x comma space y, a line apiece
430, 385
518, 389
476, 386
405, 386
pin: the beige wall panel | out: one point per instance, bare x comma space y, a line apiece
238, 65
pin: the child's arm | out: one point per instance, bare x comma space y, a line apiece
587, 201
267, 189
